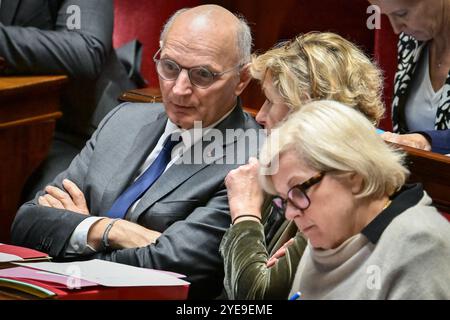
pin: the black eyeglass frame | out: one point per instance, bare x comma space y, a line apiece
214, 75
302, 187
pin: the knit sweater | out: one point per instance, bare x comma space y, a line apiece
404, 253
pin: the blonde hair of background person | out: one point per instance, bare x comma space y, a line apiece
359, 214
315, 66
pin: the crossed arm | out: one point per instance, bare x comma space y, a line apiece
123, 234
48, 222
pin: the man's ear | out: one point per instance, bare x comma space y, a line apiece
244, 79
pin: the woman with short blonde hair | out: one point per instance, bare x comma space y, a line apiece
318, 66
345, 191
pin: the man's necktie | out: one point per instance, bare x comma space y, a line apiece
145, 181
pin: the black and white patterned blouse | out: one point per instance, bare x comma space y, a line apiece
409, 53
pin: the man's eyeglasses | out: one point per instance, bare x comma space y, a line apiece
200, 76
297, 194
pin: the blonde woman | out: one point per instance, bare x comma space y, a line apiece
309, 67
370, 236
316, 66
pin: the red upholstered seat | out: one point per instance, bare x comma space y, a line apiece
446, 215
143, 20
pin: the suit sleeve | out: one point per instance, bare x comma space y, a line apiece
440, 140
177, 249
75, 52
49, 229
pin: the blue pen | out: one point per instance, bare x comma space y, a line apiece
295, 296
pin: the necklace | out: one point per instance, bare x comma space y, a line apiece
387, 204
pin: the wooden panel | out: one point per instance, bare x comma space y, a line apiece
433, 171
145, 95
29, 107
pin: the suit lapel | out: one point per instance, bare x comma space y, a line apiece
8, 11
143, 144
178, 173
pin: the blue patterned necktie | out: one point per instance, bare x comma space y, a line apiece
145, 181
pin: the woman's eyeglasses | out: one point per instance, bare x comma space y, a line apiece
297, 194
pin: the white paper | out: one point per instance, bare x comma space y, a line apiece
6, 257
109, 274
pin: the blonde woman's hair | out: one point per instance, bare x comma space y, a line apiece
329, 136
317, 66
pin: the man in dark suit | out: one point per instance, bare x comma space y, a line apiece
178, 221
71, 37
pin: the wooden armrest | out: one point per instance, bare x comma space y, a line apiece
433, 171
147, 95
251, 111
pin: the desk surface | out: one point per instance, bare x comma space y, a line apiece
13, 85
26, 99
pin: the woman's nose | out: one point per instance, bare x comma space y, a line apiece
292, 212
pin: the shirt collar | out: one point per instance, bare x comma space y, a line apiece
193, 135
408, 196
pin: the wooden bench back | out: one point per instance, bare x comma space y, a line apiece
433, 171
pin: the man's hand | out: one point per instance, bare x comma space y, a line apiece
414, 140
72, 200
245, 195
279, 253
123, 234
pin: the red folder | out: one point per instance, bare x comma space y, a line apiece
34, 283
45, 285
97, 292
22, 252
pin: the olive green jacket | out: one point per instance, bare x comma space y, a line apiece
245, 255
